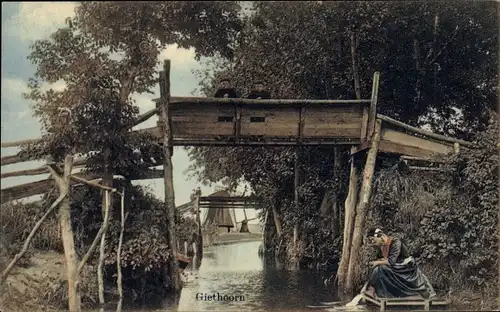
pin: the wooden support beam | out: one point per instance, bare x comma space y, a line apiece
399, 142
237, 123
140, 119
361, 209
349, 218
301, 124
168, 177
35, 188
93, 184
262, 142
19, 143
361, 147
229, 198
424, 132
242, 101
44, 186
373, 105
13, 159
40, 170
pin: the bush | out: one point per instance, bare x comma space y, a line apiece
461, 230
144, 251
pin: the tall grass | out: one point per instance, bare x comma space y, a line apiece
16, 222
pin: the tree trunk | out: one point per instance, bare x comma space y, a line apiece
298, 178
100, 278
264, 232
364, 198
118, 253
67, 236
277, 222
349, 214
335, 205
199, 242
168, 179
355, 65
352, 196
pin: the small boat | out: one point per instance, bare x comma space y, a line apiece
183, 261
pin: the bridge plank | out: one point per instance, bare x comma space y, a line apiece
398, 142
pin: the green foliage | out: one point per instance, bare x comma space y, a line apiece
106, 53
447, 220
16, 223
462, 228
303, 50
145, 253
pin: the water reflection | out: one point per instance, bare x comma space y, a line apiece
236, 270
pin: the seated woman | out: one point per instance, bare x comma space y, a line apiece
396, 275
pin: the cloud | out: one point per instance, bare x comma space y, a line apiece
179, 57
12, 92
58, 86
37, 20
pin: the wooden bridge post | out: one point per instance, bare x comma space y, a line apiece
349, 215
168, 174
361, 208
198, 245
373, 105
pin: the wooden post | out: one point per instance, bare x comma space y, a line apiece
383, 305
373, 105
427, 305
67, 234
364, 198
168, 171
349, 215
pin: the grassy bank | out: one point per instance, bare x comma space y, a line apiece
38, 280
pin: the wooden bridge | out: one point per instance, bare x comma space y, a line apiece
197, 121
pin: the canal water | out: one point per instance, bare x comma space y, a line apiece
234, 278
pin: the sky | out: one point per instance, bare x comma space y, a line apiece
25, 22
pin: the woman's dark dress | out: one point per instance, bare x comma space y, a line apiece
399, 279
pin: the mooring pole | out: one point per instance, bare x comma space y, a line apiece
168, 175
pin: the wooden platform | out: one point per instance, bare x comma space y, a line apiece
427, 304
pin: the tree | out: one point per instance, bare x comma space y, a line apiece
106, 53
